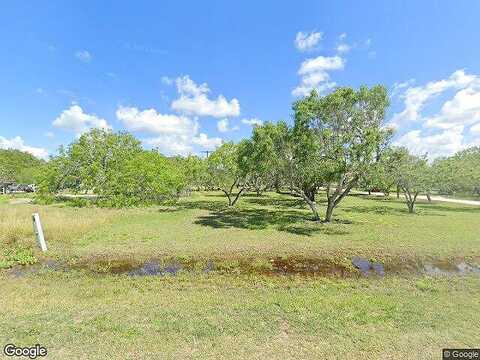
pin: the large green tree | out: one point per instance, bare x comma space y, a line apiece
381, 176
459, 173
91, 163
224, 172
261, 158
336, 139
19, 166
413, 175
146, 178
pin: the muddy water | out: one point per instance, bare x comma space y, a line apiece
355, 267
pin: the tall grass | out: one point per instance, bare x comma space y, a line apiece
61, 225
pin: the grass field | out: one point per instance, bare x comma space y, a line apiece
82, 317
273, 225
235, 315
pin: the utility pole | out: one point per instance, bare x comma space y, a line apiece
207, 152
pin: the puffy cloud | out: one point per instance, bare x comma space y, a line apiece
17, 143
252, 122
462, 109
207, 143
321, 64
194, 100
416, 97
307, 41
171, 144
74, 119
173, 134
435, 145
223, 125
151, 121
315, 74
455, 126
84, 56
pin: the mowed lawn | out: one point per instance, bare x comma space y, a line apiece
266, 226
195, 315
76, 316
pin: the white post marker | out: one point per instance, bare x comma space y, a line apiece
37, 227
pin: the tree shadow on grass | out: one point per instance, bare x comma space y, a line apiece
277, 202
377, 210
291, 221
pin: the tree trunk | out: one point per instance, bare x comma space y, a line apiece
329, 212
310, 194
428, 197
411, 207
312, 205
398, 192
237, 197
228, 197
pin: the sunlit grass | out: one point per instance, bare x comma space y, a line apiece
228, 317
271, 225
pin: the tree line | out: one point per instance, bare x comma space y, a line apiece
336, 143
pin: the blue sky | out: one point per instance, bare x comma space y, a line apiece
184, 76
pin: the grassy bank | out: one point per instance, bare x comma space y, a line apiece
236, 316
202, 317
271, 225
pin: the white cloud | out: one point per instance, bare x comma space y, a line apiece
84, 56
194, 100
343, 48
416, 97
49, 134
455, 126
398, 86
440, 144
321, 63
207, 143
475, 129
462, 109
167, 80
74, 119
307, 41
173, 134
314, 74
223, 126
252, 122
17, 143
152, 122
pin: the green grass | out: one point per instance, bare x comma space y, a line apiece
241, 316
273, 225
236, 317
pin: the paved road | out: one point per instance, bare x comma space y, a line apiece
457, 201
433, 197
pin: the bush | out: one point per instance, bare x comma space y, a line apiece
20, 256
